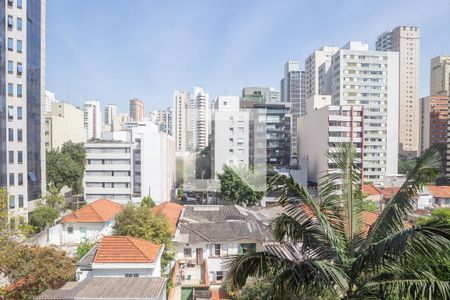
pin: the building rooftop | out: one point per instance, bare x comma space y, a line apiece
439, 191
370, 189
99, 211
122, 249
172, 211
109, 288
218, 213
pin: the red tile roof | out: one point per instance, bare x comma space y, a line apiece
439, 191
99, 211
172, 211
389, 192
370, 189
126, 249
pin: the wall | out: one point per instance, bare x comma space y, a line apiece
94, 231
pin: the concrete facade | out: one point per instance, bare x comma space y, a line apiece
92, 119
440, 75
434, 118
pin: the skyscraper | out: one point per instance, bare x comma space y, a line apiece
370, 79
179, 122
110, 113
22, 102
406, 41
136, 110
201, 118
440, 75
92, 119
318, 58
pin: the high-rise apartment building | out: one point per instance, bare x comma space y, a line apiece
440, 75
22, 98
110, 113
321, 57
64, 123
406, 41
49, 99
361, 77
190, 119
230, 134
136, 110
92, 119
434, 118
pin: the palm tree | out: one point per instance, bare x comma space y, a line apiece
324, 246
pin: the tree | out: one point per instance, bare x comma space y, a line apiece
337, 253
148, 202
65, 167
235, 188
83, 248
203, 163
55, 199
142, 223
31, 270
405, 164
43, 216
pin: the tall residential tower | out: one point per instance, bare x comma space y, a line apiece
406, 41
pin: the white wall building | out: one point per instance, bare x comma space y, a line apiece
109, 169
92, 119
322, 129
230, 134
64, 123
440, 76
406, 41
371, 79
110, 114
49, 99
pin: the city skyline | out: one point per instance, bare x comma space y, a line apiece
235, 45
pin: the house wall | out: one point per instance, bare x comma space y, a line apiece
94, 231
145, 272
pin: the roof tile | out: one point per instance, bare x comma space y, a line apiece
172, 211
99, 211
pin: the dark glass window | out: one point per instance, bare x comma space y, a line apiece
10, 89
19, 24
10, 44
19, 46
19, 65
10, 22
10, 3
20, 201
19, 112
10, 113
19, 135
11, 179
19, 91
10, 67
20, 179
10, 134
12, 202
11, 157
20, 157
19, 3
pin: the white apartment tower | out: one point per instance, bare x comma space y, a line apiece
370, 79
179, 120
110, 114
440, 76
406, 41
318, 58
201, 106
22, 102
92, 119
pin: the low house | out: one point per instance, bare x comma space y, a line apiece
90, 222
441, 195
121, 256
172, 211
372, 193
109, 288
209, 234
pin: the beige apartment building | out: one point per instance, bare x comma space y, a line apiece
434, 118
406, 41
136, 110
440, 75
64, 123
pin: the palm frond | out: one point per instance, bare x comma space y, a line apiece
302, 208
422, 244
391, 218
410, 289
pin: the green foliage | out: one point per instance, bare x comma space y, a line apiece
4, 205
148, 202
368, 205
203, 163
32, 270
180, 192
336, 255
65, 167
55, 199
405, 164
236, 189
43, 216
440, 215
83, 248
142, 223
254, 290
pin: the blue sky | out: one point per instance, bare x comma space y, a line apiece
114, 50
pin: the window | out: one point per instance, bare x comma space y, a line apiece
19, 135
10, 67
11, 179
11, 157
131, 275
216, 249
19, 24
19, 3
19, 46
19, 65
245, 247
19, 91
20, 157
12, 202
10, 22
219, 275
20, 180
19, 112
10, 3
70, 230
10, 135
10, 89
187, 252
10, 44
20, 201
